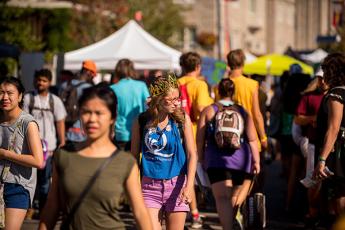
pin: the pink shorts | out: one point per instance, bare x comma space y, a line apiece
164, 194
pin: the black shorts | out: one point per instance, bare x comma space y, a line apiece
221, 174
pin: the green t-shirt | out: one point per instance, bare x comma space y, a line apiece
100, 208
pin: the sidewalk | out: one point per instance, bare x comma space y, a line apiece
275, 190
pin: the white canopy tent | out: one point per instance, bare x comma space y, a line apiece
315, 57
131, 42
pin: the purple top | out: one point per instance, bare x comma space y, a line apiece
240, 159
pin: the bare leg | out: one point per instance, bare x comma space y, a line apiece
294, 174
155, 218
14, 218
193, 205
240, 193
222, 192
175, 220
340, 205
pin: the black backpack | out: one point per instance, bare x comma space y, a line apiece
32, 103
69, 97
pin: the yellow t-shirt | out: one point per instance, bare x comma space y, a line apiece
197, 93
244, 91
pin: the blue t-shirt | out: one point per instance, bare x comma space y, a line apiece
163, 153
131, 100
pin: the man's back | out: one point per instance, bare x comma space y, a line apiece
197, 92
131, 98
244, 92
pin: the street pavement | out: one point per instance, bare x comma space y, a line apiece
274, 189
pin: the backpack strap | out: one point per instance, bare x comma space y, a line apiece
32, 103
51, 103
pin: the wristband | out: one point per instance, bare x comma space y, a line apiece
263, 139
322, 159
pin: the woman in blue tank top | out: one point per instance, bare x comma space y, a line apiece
165, 138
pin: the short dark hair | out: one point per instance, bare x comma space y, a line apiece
189, 61
226, 88
236, 59
44, 73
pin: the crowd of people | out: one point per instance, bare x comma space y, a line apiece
83, 152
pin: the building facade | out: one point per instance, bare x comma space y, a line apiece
258, 26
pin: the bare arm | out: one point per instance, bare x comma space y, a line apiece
191, 157
305, 120
51, 209
335, 109
258, 119
60, 129
253, 142
135, 139
35, 158
140, 212
205, 116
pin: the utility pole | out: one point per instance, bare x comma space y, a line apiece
220, 28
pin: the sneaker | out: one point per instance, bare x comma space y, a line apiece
196, 222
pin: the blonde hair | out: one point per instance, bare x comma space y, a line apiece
154, 108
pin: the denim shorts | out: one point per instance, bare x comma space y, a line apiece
16, 196
163, 194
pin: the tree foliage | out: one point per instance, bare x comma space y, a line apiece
160, 18
35, 29
60, 30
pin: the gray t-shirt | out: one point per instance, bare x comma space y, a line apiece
18, 174
44, 116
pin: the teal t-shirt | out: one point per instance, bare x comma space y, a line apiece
131, 101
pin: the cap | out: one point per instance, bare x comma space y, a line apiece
295, 69
319, 73
90, 65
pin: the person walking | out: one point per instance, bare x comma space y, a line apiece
20, 152
49, 112
199, 98
246, 95
331, 135
164, 135
130, 102
70, 92
73, 170
226, 167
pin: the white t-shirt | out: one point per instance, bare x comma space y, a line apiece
45, 118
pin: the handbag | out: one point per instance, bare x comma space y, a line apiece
254, 210
69, 217
5, 171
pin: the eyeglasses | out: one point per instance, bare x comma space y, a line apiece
173, 100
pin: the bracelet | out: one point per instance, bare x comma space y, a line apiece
322, 159
263, 139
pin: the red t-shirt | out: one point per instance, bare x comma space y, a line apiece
309, 106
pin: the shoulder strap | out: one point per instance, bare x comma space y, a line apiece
31, 102
75, 207
51, 103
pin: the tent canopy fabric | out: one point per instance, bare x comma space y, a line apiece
131, 42
274, 64
315, 57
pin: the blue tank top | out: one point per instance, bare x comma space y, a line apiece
163, 153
